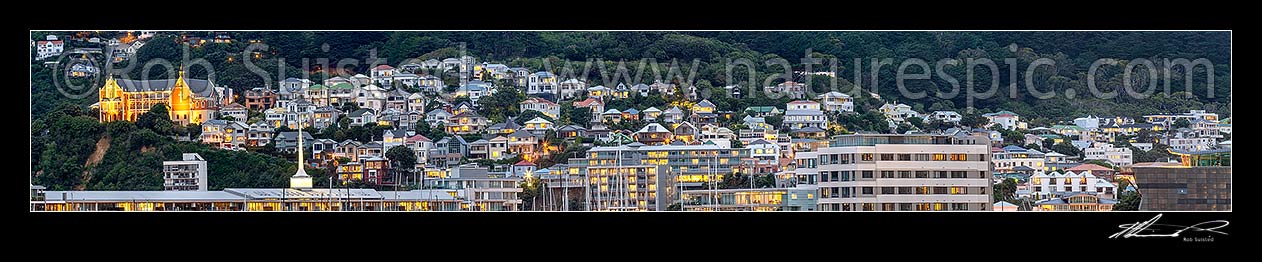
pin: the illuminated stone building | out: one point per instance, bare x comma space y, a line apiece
188, 100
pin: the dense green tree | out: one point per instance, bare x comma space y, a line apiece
1128, 201
918, 123
503, 104
1005, 191
973, 120
402, 162
157, 119
1066, 148
734, 181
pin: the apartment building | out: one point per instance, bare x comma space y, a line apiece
188, 174
883, 172
642, 177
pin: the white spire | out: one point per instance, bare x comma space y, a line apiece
300, 180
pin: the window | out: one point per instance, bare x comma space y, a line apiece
906, 190
959, 174
867, 173
867, 157
939, 157
904, 157
887, 174
904, 174
940, 174
887, 190
922, 174
887, 157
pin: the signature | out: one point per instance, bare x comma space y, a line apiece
1150, 228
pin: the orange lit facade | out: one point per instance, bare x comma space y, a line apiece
188, 100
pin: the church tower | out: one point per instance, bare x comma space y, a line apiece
300, 180
181, 101
111, 101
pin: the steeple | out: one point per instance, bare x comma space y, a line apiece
300, 180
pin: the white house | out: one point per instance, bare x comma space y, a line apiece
1190, 143
764, 152
371, 97
363, 116
1118, 156
1044, 185
382, 75
899, 112
946, 116
49, 47
569, 88
542, 82
538, 126
1090, 122
651, 114
836, 102
790, 89
673, 115
238, 112
1006, 119
804, 113
437, 117
544, 106
224, 134
475, 90
1010, 158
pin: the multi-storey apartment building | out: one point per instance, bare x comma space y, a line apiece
900, 173
188, 174
642, 177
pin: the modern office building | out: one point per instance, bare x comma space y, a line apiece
882, 172
189, 174
1201, 182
